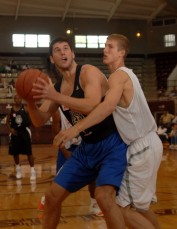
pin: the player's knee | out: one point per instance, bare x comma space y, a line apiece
48, 198
51, 199
104, 198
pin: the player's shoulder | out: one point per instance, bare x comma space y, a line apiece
90, 71
119, 76
89, 67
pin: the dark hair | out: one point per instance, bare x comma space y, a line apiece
60, 40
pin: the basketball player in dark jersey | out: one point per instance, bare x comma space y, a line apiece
101, 156
18, 122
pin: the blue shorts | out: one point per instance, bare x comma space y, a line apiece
61, 159
104, 161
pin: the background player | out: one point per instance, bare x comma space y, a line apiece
18, 122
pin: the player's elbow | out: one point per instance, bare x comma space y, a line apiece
37, 123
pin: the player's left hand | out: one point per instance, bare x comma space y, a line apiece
64, 136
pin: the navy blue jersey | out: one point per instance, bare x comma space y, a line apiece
96, 132
19, 119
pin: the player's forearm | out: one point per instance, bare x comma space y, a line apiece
96, 116
38, 117
82, 105
8, 127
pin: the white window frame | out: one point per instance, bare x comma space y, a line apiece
18, 40
43, 40
169, 40
80, 41
31, 40
90, 41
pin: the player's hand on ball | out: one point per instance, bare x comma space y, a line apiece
44, 90
25, 81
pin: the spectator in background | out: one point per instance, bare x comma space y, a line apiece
166, 119
173, 136
25, 66
2, 68
173, 92
10, 88
13, 66
175, 119
7, 68
161, 92
162, 132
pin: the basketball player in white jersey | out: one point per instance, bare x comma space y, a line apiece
137, 127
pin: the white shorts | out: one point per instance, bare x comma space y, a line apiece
138, 187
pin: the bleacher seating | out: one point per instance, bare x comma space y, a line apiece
152, 71
11, 66
165, 63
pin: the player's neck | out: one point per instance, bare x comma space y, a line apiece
113, 67
17, 107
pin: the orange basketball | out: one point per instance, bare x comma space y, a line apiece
25, 80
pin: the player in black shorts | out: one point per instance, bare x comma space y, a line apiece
18, 122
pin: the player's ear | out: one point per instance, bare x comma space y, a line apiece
122, 52
73, 55
51, 60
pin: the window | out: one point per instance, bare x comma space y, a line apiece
30, 40
80, 41
102, 41
43, 40
169, 40
90, 41
18, 40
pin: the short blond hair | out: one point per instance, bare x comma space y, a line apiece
122, 42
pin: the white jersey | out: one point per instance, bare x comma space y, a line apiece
65, 124
135, 121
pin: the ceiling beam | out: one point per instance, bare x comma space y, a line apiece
17, 9
114, 8
157, 11
66, 9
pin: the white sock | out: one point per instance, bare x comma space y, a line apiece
32, 169
18, 166
43, 200
93, 201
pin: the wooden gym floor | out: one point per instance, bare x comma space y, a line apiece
19, 198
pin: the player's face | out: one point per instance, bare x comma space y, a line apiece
62, 55
111, 52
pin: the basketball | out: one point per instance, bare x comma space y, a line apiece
25, 81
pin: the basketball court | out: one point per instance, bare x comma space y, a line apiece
19, 198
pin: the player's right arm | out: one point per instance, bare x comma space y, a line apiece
41, 114
92, 82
